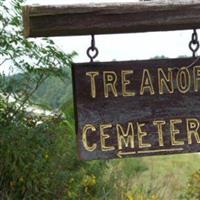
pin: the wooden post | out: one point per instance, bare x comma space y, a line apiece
84, 19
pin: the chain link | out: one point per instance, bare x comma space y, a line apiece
194, 43
92, 51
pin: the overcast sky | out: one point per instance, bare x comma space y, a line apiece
124, 46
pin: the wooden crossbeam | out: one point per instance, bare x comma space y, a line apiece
85, 19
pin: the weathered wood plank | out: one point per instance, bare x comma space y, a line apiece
84, 19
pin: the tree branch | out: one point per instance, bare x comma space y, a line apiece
42, 79
6, 59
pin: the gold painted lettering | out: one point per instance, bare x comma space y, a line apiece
126, 82
142, 134
174, 131
192, 129
146, 83
92, 76
104, 137
159, 124
86, 128
166, 81
109, 80
125, 137
183, 80
196, 73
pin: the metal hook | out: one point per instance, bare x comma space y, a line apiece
92, 51
194, 43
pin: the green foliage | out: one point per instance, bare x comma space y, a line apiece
36, 60
38, 152
193, 188
26, 154
38, 160
122, 173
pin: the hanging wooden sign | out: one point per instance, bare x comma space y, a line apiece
129, 108
137, 108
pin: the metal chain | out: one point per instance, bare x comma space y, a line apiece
92, 51
194, 43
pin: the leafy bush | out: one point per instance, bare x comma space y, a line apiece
37, 153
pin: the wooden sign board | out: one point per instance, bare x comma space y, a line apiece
127, 17
137, 108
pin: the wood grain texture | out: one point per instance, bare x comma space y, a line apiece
84, 19
139, 109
